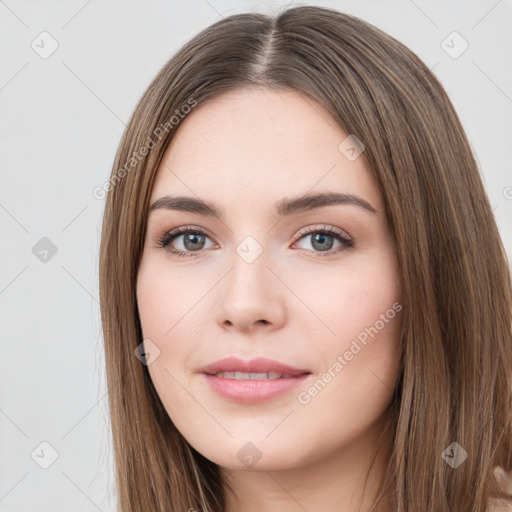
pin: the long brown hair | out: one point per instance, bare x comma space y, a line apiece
455, 384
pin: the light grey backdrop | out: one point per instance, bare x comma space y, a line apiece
70, 76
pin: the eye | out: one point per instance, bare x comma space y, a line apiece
323, 239
193, 240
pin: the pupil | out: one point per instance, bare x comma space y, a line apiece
322, 237
191, 237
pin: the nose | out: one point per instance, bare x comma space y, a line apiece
250, 296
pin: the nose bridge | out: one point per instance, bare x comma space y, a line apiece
249, 272
249, 294
250, 250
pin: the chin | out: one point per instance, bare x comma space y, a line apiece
256, 455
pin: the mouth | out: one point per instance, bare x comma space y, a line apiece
252, 381
254, 376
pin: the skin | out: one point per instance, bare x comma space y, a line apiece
246, 150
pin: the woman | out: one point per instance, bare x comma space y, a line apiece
305, 300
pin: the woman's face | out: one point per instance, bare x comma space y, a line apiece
311, 284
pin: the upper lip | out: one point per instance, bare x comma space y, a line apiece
258, 365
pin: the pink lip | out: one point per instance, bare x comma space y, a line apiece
252, 391
258, 365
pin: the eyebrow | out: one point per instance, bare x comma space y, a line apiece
282, 208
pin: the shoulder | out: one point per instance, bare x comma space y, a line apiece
500, 505
504, 480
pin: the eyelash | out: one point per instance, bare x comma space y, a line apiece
169, 236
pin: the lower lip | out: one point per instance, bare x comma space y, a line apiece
252, 391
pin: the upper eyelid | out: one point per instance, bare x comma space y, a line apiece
307, 230
175, 233
329, 229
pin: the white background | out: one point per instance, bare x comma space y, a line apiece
61, 121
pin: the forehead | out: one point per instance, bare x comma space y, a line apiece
258, 143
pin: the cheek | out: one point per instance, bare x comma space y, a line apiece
346, 300
359, 346
164, 299
151, 302
169, 304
